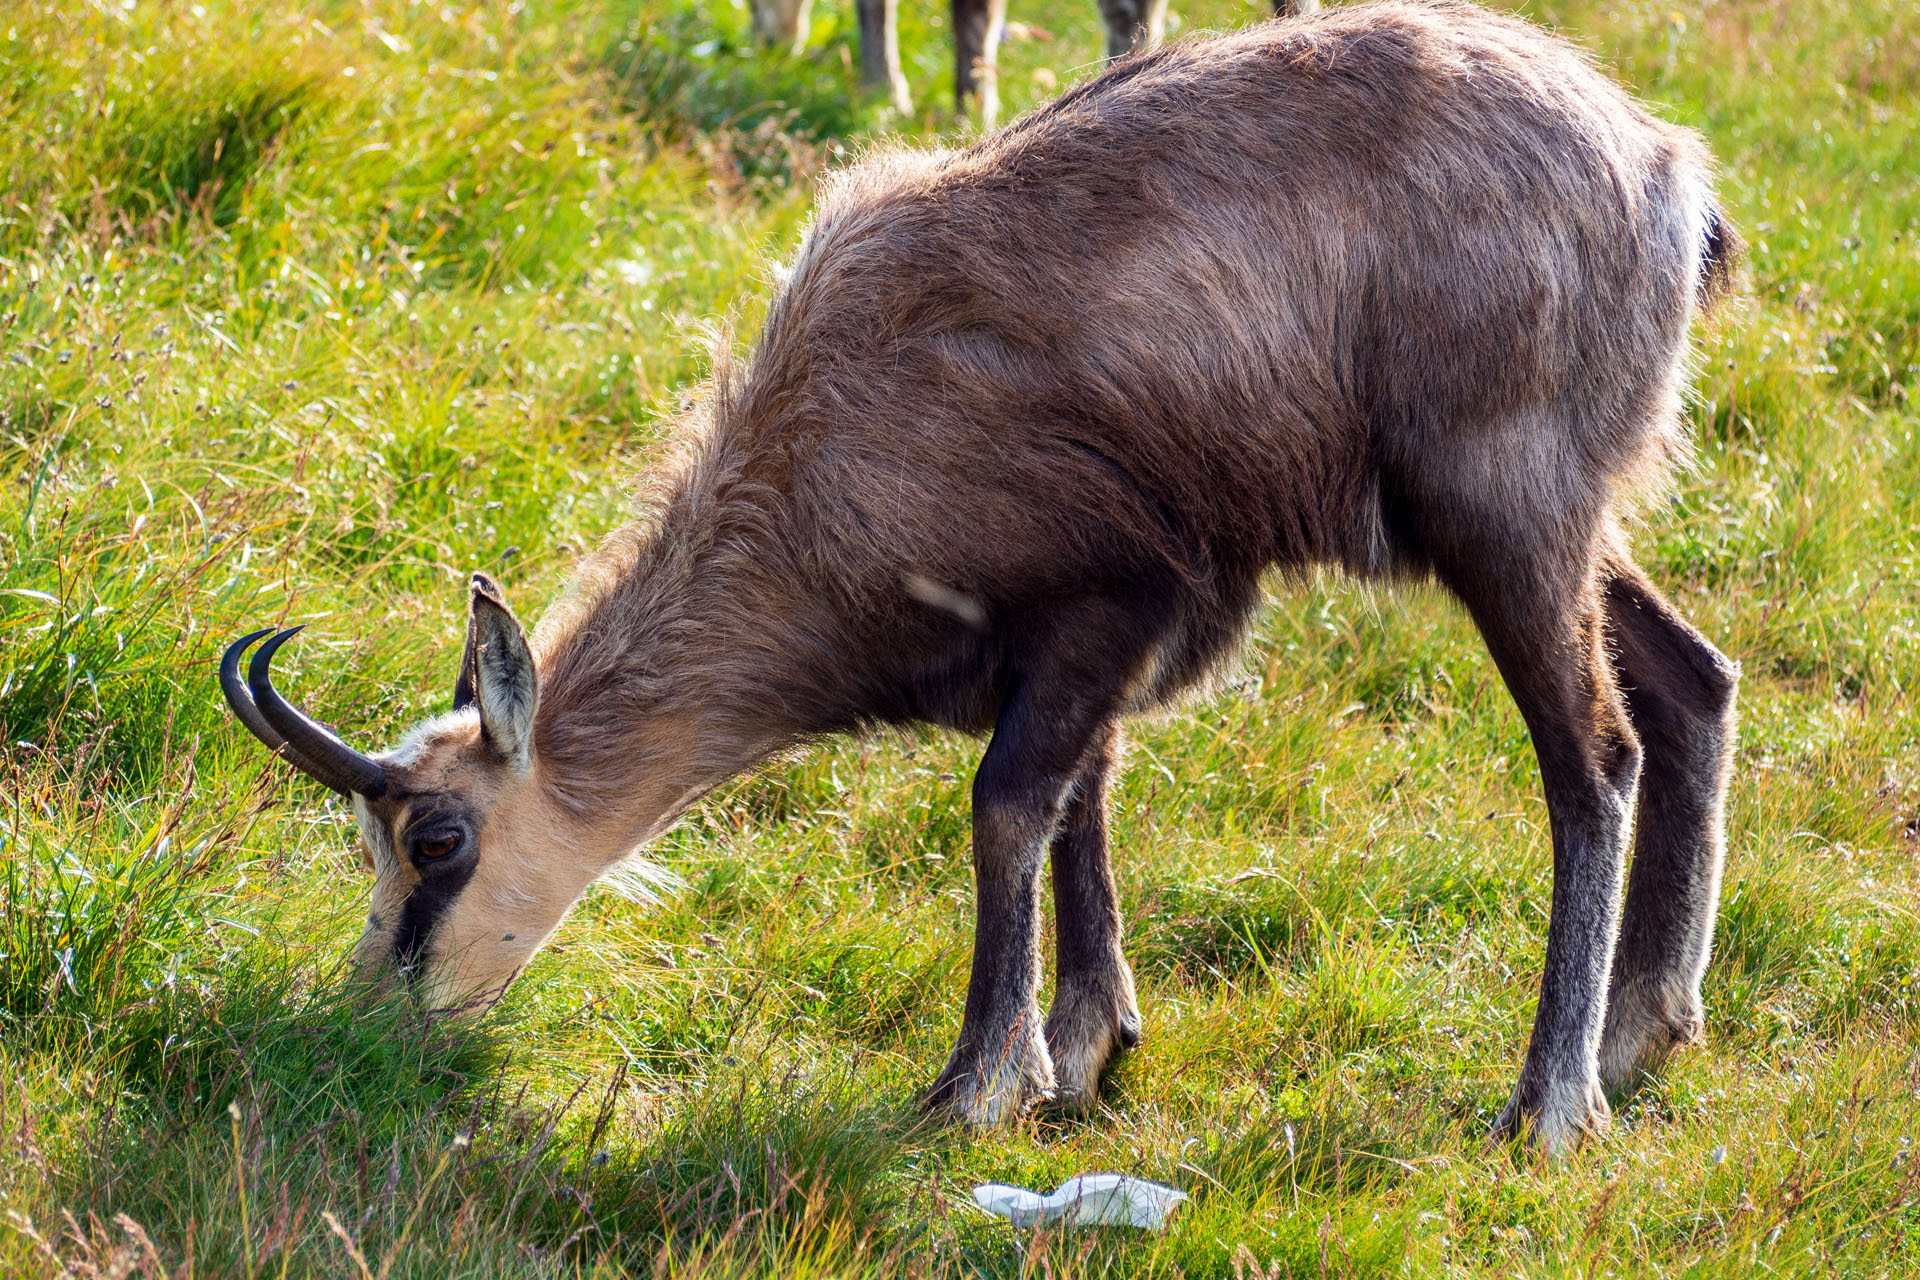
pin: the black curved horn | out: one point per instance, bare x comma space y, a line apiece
241, 701
311, 748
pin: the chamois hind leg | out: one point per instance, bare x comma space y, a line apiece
1679, 691
1052, 718
1528, 579
1094, 1015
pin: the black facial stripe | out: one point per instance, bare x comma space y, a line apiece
424, 907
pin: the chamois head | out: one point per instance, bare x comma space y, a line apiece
474, 864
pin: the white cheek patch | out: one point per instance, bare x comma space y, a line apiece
378, 841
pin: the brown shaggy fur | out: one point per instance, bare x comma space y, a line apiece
1341, 258
1402, 288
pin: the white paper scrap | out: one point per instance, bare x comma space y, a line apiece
1092, 1199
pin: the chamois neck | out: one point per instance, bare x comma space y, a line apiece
672, 664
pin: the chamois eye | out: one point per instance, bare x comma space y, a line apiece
436, 845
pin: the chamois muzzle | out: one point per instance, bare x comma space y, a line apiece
285, 729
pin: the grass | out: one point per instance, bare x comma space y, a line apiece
307, 313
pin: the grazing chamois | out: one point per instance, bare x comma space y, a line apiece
1403, 288
1133, 26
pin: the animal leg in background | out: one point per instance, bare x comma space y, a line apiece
1133, 26
1679, 691
880, 51
1094, 1015
782, 23
977, 28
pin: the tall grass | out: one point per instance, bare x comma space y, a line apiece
309, 312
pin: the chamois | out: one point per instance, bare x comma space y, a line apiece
1402, 288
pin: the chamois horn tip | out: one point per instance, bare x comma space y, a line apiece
310, 745
231, 657
258, 668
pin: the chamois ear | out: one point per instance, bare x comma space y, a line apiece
497, 674
463, 686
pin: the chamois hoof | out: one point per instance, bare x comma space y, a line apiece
1084, 1038
1646, 1022
1554, 1118
986, 1094
982, 1109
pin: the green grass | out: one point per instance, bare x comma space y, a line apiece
306, 314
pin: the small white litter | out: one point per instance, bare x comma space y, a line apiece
1092, 1199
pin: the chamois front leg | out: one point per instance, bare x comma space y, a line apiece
1046, 729
1094, 1015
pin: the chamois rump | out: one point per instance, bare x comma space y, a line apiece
1402, 288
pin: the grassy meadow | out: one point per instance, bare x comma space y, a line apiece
306, 313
